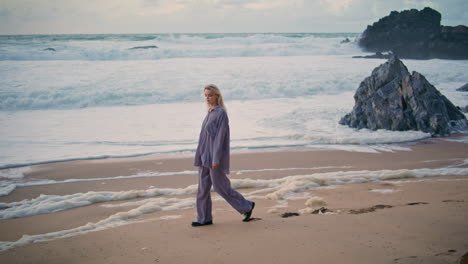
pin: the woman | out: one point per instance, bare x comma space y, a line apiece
212, 158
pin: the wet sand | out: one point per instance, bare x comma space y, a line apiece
407, 220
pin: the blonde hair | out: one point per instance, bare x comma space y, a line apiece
216, 90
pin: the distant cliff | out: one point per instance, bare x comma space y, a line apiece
416, 35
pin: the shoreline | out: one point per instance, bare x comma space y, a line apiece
240, 150
131, 222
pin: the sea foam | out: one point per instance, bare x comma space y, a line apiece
115, 220
275, 189
94, 93
280, 189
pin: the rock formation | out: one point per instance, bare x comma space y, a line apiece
464, 88
49, 49
417, 35
392, 98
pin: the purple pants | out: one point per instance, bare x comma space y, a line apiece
222, 185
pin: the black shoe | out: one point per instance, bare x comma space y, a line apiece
248, 214
202, 224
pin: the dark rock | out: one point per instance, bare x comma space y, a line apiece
392, 98
346, 40
322, 210
145, 47
417, 35
377, 55
416, 203
452, 44
453, 201
464, 88
369, 209
289, 214
49, 49
463, 259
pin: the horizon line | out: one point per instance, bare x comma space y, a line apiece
160, 33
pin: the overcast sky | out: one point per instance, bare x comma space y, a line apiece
206, 16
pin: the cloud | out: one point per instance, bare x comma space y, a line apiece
165, 10
172, 16
336, 7
266, 5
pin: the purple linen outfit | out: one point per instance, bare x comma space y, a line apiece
213, 148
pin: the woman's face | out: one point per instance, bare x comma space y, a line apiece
211, 98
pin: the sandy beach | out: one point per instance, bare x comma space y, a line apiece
405, 206
345, 125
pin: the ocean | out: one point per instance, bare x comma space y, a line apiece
73, 97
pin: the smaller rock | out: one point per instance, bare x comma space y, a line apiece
369, 209
145, 47
377, 55
463, 259
416, 203
288, 214
49, 49
464, 88
346, 40
321, 210
453, 201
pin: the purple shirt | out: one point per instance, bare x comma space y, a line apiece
213, 144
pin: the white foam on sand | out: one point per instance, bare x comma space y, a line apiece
291, 184
315, 201
275, 209
15, 178
170, 217
54, 203
363, 148
7, 189
14, 173
430, 161
8, 177
459, 164
115, 220
239, 172
145, 174
460, 139
426, 180
383, 191
278, 189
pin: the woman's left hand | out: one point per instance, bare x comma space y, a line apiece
214, 166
